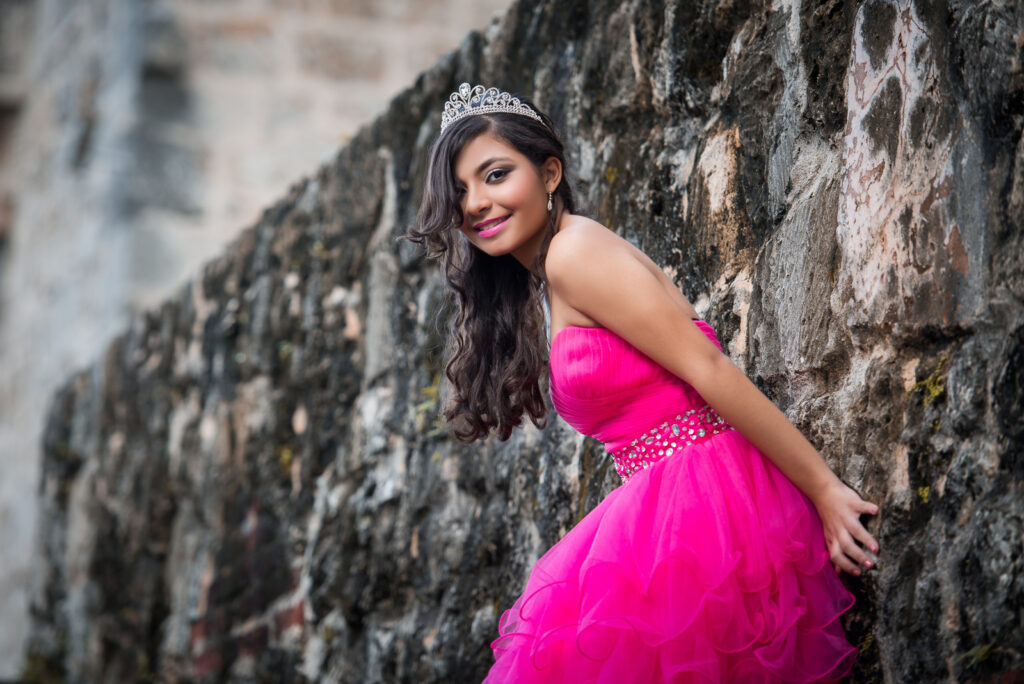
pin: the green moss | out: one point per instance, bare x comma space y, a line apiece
284, 459
934, 385
866, 642
318, 251
976, 655
432, 389
924, 493
143, 672
430, 392
437, 430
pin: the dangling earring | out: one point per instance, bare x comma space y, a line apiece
549, 201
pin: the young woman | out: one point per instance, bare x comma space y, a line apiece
711, 561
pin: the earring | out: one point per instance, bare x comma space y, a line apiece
549, 201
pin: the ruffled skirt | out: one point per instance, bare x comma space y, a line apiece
708, 566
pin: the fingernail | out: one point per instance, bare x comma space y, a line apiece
856, 572
867, 564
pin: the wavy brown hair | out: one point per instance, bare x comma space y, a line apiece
497, 352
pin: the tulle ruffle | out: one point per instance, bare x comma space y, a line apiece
709, 566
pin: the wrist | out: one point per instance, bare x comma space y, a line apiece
826, 486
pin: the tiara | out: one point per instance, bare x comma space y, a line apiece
479, 100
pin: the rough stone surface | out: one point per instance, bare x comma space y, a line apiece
251, 483
136, 139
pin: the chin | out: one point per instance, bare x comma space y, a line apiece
493, 251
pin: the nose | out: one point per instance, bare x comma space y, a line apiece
477, 201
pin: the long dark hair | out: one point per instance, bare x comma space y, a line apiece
497, 351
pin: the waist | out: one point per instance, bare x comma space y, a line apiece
688, 427
617, 417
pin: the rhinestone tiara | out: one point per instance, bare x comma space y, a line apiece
480, 100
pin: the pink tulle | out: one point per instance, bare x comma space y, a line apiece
709, 566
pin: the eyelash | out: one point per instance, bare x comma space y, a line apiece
504, 172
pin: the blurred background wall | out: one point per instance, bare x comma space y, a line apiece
137, 137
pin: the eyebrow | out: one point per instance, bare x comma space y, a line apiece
488, 163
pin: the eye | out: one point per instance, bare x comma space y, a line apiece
459, 190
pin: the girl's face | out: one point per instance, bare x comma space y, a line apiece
503, 197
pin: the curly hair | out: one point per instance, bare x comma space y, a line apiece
497, 352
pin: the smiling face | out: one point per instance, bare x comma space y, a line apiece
503, 197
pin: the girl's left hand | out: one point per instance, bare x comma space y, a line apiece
840, 509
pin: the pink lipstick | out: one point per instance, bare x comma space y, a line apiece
492, 231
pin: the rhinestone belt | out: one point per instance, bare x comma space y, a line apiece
690, 427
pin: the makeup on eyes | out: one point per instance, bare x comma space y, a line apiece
503, 173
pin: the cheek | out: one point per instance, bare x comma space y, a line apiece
520, 196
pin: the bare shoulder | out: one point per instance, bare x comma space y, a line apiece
584, 248
583, 226
584, 237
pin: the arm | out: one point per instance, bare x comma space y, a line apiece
744, 407
596, 272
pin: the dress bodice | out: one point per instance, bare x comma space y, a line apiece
608, 389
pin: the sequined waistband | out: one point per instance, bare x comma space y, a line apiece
689, 427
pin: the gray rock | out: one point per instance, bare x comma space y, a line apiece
251, 484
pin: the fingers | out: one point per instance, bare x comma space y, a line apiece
841, 560
847, 555
859, 531
854, 551
864, 537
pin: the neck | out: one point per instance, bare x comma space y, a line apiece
526, 253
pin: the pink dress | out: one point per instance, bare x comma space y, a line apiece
706, 565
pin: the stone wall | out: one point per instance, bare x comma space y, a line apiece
251, 481
136, 140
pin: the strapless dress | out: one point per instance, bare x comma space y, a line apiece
706, 565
